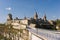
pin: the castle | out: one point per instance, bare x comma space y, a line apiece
34, 22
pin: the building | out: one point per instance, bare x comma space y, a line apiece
33, 22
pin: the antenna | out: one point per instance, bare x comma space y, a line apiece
35, 10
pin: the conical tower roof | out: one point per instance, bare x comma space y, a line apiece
35, 15
44, 17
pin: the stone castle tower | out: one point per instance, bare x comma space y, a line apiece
9, 19
35, 16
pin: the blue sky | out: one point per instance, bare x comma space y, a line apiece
21, 8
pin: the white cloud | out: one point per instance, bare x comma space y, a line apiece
54, 16
9, 8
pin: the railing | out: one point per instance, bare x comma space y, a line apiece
45, 34
34, 35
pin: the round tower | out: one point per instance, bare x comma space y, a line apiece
9, 17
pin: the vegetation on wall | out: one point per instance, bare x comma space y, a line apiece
57, 24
